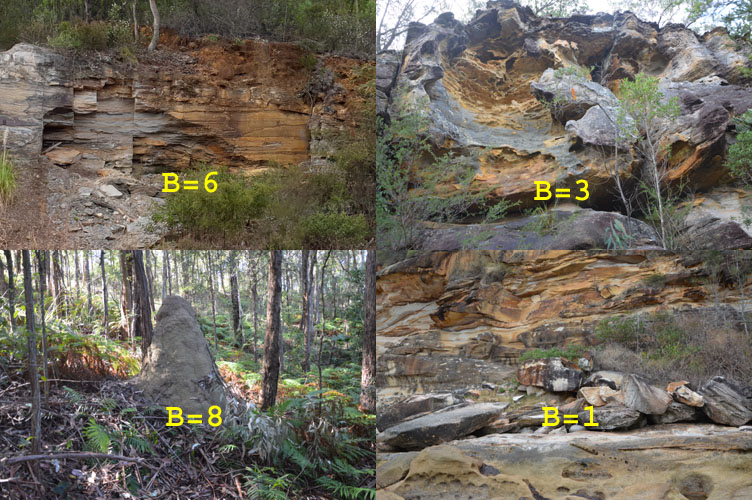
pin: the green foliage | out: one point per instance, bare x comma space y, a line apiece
542, 222
97, 437
616, 236
334, 230
416, 185
571, 352
575, 70
642, 111
7, 175
734, 15
265, 483
308, 61
499, 211
98, 35
739, 159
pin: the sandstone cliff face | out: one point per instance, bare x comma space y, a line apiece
453, 320
117, 126
488, 86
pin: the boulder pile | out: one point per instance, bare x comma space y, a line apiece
613, 400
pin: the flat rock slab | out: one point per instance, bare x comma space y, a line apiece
397, 412
64, 156
440, 427
619, 465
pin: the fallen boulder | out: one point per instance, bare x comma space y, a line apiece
604, 377
725, 402
684, 394
440, 427
178, 369
413, 405
592, 395
553, 374
611, 417
643, 397
676, 412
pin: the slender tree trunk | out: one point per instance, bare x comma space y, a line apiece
270, 371
36, 411
142, 320
126, 299
164, 275
87, 276
155, 36
149, 280
104, 292
305, 297
78, 272
254, 296
169, 272
368, 371
3, 283
135, 22
236, 309
323, 322
11, 290
213, 301
41, 258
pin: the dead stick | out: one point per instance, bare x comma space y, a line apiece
26, 458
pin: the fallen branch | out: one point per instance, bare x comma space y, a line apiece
62, 456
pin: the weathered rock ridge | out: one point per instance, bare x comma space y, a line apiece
493, 98
454, 320
100, 131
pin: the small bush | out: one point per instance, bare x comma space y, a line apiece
334, 231
7, 175
230, 209
308, 61
740, 153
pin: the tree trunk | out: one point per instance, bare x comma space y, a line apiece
87, 276
78, 272
323, 321
104, 292
305, 297
236, 309
41, 259
11, 290
3, 283
270, 372
36, 412
254, 296
164, 275
126, 299
213, 302
142, 320
155, 35
135, 23
367, 389
149, 280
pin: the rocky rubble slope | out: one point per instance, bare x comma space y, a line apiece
99, 131
503, 94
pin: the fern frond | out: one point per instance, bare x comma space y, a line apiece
97, 437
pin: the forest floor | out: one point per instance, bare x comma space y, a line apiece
110, 416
